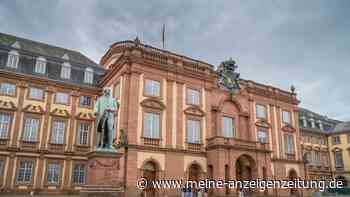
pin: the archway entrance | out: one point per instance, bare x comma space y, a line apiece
194, 174
292, 175
245, 170
149, 172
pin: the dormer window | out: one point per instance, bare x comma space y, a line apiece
65, 70
88, 75
40, 65
12, 60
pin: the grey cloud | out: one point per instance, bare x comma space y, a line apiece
305, 43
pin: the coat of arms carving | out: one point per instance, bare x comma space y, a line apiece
228, 77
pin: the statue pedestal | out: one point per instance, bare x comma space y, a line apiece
104, 177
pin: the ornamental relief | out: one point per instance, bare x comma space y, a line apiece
7, 105
31, 108
60, 112
153, 103
288, 128
262, 123
194, 111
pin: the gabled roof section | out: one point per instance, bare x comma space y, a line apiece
342, 127
44, 49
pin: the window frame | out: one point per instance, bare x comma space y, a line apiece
85, 173
154, 111
286, 146
338, 141
194, 118
265, 111
86, 106
145, 94
30, 182
63, 92
59, 182
88, 75
335, 159
77, 141
233, 126
9, 129
66, 65
289, 115
267, 135
8, 82
199, 94
65, 121
40, 61
32, 116
12, 54
35, 99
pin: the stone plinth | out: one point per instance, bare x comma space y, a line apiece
104, 177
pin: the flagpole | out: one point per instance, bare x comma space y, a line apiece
163, 36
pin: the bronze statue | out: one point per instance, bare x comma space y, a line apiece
105, 110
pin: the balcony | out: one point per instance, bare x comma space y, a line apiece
235, 142
194, 147
290, 156
151, 141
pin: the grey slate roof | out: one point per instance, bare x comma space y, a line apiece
340, 127
29, 50
45, 49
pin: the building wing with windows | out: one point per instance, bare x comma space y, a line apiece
180, 122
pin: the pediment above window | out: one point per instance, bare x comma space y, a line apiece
34, 109
7, 105
85, 116
288, 128
194, 111
262, 123
60, 112
153, 103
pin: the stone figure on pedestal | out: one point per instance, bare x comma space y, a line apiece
105, 110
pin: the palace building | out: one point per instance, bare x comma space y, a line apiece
179, 120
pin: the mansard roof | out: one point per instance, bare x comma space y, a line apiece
44, 49
30, 50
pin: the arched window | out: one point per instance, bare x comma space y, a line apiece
88, 75
65, 70
40, 65
12, 60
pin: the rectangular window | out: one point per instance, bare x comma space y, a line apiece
40, 66
261, 111
8, 89
62, 98
263, 136
289, 143
2, 167
58, 127
53, 173
79, 174
5, 121
12, 61
152, 87
193, 131
88, 75
25, 171
349, 139
338, 156
335, 140
85, 101
151, 125
286, 117
36, 93
83, 133
31, 129
192, 96
228, 127
65, 70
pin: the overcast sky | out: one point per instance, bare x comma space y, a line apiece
305, 43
